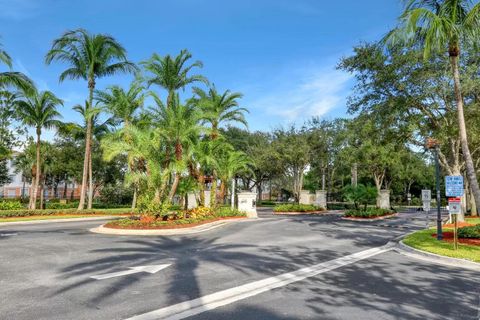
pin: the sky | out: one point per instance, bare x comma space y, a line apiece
281, 54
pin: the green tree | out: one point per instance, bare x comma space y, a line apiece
89, 56
39, 111
11, 78
229, 164
172, 73
444, 26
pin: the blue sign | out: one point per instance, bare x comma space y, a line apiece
454, 186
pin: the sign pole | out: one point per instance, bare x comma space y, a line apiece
439, 212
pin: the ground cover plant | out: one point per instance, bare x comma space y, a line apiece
291, 207
368, 213
60, 212
177, 218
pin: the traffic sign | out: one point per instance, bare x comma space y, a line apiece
426, 206
454, 206
426, 195
454, 186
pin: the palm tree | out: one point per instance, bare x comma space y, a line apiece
11, 78
124, 105
443, 26
89, 56
231, 162
179, 127
78, 132
171, 73
217, 109
39, 111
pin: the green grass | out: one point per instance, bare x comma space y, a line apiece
34, 218
423, 240
473, 220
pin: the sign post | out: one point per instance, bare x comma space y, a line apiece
454, 208
426, 199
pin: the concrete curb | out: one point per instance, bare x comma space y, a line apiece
406, 250
372, 219
167, 232
57, 220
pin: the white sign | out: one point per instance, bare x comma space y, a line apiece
426, 206
454, 186
454, 207
426, 195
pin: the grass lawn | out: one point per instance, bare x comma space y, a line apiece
423, 240
473, 220
50, 217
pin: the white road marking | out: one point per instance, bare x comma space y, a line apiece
149, 269
8, 234
209, 302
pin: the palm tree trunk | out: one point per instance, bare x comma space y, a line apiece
42, 195
201, 186
471, 175
90, 178
81, 204
213, 190
33, 204
134, 200
173, 190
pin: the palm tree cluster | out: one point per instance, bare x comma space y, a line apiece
170, 148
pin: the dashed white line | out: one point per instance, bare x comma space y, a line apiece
193, 307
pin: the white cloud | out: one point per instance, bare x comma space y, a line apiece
306, 94
18, 9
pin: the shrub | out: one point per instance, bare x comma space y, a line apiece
360, 195
470, 232
229, 212
48, 212
267, 203
116, 194
11, 205
296, 208
368, 213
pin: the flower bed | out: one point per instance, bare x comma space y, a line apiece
177, 219
369, 213
292, 208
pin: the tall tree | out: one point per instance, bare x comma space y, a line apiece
444, 26
89, 56
124, 105
172, 73
39, 111
11, 78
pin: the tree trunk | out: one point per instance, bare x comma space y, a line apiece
173, 190
213, 191
471, 175
201, 186
65, 188
42, 195
90, 180
33, 204
134, 200
81, 204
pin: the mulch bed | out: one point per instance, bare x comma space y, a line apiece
448, 237
459, 224
146, 226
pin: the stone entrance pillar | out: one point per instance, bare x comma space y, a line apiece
247, 202
306, 197
192, 201
207, 198
384, 199
321, 198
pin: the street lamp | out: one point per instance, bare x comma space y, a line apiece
434, 145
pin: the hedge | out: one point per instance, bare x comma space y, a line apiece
49, 212
368, 213
296, 208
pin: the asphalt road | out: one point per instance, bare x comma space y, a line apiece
46, 270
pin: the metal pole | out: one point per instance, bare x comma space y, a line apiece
233, 193
439, 213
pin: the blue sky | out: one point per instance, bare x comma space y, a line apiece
281, 54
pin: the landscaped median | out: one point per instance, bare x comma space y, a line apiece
368, 214
189, 221
469, 242
51, 214
297, 209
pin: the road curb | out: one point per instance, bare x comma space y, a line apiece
57, 220
404, 249
166, 232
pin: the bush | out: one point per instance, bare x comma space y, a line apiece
11, 205
360, 195
116, 194
267, 203
470, 232
340, 206
229, 212
368, 213
49, 212
296, 208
